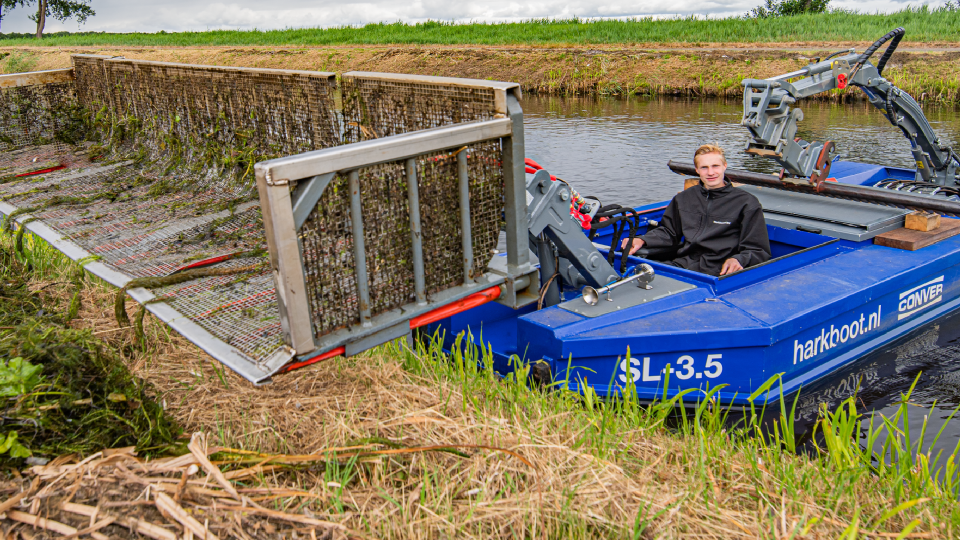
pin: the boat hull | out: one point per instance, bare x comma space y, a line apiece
802, 317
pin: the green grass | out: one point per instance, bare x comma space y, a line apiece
62, 391
922, 24
591, 467
867, 474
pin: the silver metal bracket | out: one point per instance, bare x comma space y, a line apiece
307, 194
521, 291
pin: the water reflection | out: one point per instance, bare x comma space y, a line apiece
931, 357
617, 149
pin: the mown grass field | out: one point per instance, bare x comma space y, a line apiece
923, 26
569, 70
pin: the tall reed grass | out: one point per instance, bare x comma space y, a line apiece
922, 24
853, 452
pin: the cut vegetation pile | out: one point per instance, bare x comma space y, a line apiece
63, 390
116, 494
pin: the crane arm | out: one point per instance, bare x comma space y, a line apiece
772, 123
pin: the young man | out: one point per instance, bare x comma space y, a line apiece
719, 228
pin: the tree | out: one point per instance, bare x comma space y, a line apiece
60, 10
785, 8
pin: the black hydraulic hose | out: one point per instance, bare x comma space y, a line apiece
891, 113
831, 55
833, 189
896, 35
617, 228
624, 220
634, 225
952, 191
890, 49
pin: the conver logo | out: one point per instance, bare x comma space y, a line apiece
920, 298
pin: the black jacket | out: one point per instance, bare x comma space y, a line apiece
715, 225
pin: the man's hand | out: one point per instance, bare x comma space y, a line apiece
730, 266
637, 244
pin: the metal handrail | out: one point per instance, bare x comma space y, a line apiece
282, 171
285, 210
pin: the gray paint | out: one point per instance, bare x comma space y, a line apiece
627, 296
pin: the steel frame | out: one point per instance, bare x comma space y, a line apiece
285, 211
254, 371
36, 77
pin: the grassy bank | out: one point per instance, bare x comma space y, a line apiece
401, 443
923, 26
64, 389
579, 70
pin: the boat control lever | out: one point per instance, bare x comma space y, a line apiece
642, 278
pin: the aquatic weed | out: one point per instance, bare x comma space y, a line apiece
73, 394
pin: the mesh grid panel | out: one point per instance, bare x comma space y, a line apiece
327, 254
203, 117
149, 166
386, 235
241, 310
375, 108
193, 134
36, 115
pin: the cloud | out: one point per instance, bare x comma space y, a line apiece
181, 15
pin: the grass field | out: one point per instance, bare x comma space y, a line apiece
923, 26
401, 443
571, 70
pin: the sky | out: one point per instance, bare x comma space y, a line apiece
180, 15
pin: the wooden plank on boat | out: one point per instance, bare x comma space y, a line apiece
922, 221
911, 240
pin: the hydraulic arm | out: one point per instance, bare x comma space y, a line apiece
549, 212
772, 123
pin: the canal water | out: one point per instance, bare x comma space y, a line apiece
617, 150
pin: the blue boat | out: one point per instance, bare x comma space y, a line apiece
823, 301
830, 293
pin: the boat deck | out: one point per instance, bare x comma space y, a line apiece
785, 316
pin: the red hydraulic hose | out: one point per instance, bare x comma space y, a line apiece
42, 171
451, 309
205, 262
532, 166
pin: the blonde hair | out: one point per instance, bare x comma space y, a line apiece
709, 149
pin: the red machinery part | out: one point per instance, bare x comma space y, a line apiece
584, 220
469, 302
42, 171
319, 358
442, 312
841, 81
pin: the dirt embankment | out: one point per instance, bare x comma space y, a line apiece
926, 72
